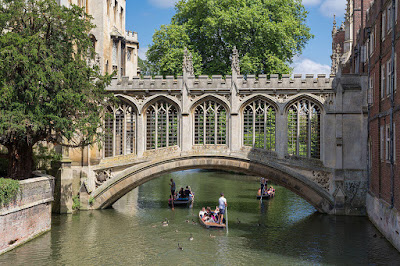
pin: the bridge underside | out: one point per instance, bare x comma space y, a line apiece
293, 179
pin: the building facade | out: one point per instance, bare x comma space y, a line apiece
116, 48
371, 47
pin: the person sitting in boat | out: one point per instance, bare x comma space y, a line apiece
181, 193
187, 192
203, 213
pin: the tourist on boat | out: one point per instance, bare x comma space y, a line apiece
187, 192
181, 193
262, 183
173, 187
222, 206
203, 214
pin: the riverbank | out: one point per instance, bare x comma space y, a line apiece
29, 215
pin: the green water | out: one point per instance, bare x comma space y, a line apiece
282, 231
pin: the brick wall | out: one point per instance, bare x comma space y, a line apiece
29, 215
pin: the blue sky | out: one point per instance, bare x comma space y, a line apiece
145, 16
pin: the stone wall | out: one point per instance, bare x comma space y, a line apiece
29, 215
385, 218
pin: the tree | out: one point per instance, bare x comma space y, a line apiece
166, 52
50, 91
146, 68
267, 33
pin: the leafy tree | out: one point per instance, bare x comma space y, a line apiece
167, 50
49, 89
146, 68
267, 33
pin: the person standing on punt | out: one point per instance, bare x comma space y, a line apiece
173, 188
222, 207
262, 183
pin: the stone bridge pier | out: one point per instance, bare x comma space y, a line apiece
306, 133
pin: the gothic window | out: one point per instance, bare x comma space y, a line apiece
210, 120
259, 125
130, 130
129, 54
162, 125
120, 131
109, 131
114, 53
304, 123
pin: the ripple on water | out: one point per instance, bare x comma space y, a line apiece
284, 230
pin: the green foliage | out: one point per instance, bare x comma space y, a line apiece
166, 52
8, 190
44, 155
91, 200
146, 68
49, 89
76, 203
267, 33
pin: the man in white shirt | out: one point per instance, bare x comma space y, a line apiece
222, 206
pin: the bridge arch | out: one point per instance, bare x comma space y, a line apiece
113, 189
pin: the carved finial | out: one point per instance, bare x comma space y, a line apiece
334, 30
187, 62
235, 61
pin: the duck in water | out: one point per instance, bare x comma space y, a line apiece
165, 223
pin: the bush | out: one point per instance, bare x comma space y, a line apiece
76, 203
8, 190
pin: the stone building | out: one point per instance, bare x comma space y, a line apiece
371, 36
117, 48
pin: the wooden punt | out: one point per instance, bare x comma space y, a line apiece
266, 197
183, 201
211, 224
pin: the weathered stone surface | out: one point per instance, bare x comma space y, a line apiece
29, 215
385, 218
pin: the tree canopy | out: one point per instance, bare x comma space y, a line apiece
267, 33
50, 89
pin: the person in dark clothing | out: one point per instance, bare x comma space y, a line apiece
173, 188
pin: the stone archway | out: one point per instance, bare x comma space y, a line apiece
113, 189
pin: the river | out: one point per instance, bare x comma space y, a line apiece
285, 230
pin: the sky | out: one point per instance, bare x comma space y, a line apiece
146, 16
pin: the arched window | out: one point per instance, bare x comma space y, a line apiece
259, 125
109, 133
210, 120
162, 125
120, 131
304, 123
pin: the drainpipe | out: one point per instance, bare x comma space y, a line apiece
369, 108
391, 148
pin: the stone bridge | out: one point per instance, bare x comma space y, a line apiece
305, 133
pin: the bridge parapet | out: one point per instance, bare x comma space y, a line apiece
218, 82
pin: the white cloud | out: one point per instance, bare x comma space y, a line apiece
331, 7
142, 53
311, 2
303, 66
163, 3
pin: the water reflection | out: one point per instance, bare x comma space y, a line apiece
283, 230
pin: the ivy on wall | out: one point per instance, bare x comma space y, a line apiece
8, 190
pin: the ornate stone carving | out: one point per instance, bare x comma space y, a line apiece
281, 98
336, 54
102, 176
321, 178
235, 61
188, 63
